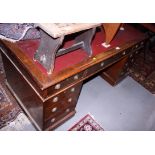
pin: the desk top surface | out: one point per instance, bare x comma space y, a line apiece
73, 62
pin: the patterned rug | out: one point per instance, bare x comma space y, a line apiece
18, 31
143, 71
9, 109
87, 123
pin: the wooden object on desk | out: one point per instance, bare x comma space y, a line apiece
110, 30
52, 37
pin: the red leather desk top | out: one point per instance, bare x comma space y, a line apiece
72, 58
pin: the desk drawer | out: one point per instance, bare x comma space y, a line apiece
56, 120
65, 83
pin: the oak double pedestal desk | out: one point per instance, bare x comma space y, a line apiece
49, 100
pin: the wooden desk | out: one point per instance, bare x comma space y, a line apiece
50, 100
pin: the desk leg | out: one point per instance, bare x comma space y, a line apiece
86, 39
46, 52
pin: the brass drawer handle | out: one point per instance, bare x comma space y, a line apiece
102, 64
137, 52
131, 55
58, 86
54, 109
52, 120
68, 110
72, 89
70, 100
76, 77
55, 99
136, 46
142, 43
124, 53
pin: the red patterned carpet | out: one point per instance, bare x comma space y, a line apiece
9, 108
87, 123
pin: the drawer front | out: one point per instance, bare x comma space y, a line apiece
65, 83
139, 45
53, 110
131, 59
56, 120
94, 69
132, 56
62, 101
105, 63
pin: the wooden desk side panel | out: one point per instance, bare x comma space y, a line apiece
24, 94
